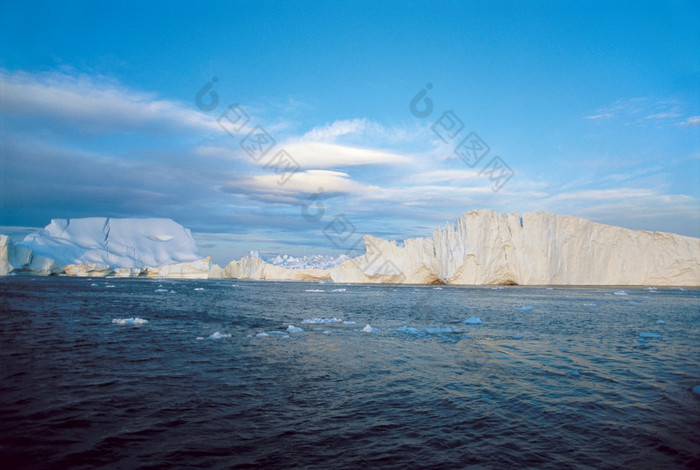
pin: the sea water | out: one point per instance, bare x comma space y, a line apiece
143, 373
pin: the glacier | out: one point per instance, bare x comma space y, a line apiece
102, 246
482, 247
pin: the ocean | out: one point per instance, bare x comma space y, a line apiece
157, 373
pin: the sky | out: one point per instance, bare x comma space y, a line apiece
298, 127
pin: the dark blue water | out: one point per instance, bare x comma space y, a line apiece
553, 378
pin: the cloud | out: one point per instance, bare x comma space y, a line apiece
95, 104
639, 111
690, 122
296, 189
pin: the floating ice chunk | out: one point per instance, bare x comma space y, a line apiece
696, 389
109, 286
649, 335
349, 322
327, 332
319, 321
632, 302
437, 288
129, 321
294, 329
262, 335
651, 289
516, 336
590, 304
314, 290
94, 284
660, 322
439, 330
368, 329
199, 288
620, 292
409, 329
338, 290
161, 290
217, 335
527, 308
199, 338
473, 321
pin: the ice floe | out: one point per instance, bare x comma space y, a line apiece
262, 335
161, 290
314, 290
320, 321
217, 335
338, 290
129, 321
294, 329
199, 289
620, 292
473, 321
526, 308
649, 335
660, 322
633, 302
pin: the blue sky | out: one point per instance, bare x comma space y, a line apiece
593, 108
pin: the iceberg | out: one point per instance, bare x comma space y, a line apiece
102, 246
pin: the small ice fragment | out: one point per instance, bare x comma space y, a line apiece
632, 302
439, 330
590, 304
109, 285
408, 329
338, 290
473, 321
437, 288
199, 288
161, 290
314, 290
217, 335
129, 321
516, 336
327, 332
317, 321
527, 308
262, 335
199, 338
649, 335
294, 329
368, 329
349, 322
660, 322
94, 284
620, 292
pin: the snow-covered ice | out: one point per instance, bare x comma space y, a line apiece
294, 329
217, 335
319, 321
129, 321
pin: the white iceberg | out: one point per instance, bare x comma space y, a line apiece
294, 329
473, 321
368, 329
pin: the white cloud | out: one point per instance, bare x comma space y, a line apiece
94, 103
690, 122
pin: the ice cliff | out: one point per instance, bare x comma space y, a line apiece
99, 246
487, 247
481, 247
